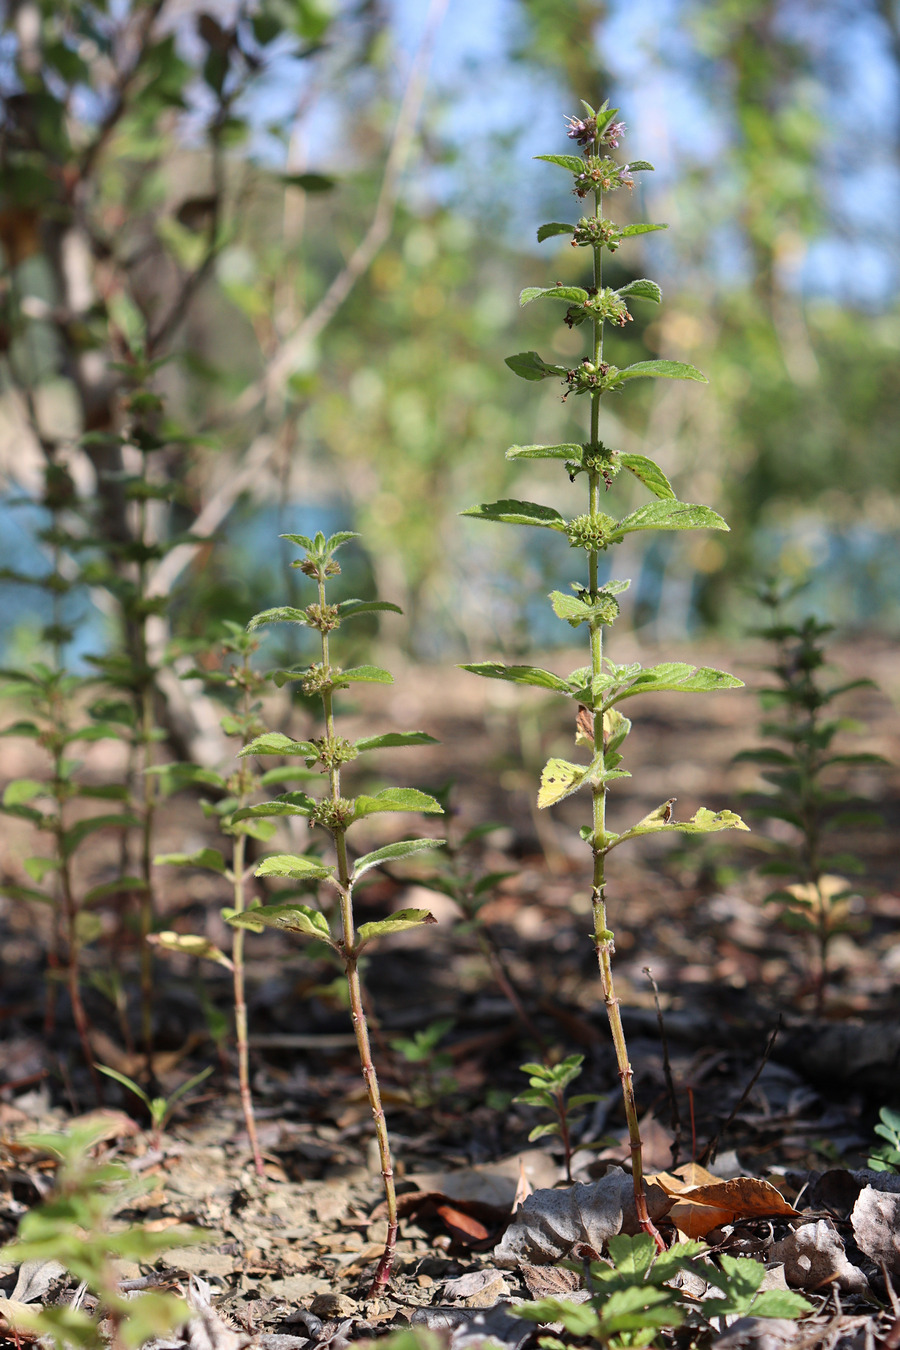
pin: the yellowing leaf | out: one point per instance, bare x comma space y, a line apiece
559, 780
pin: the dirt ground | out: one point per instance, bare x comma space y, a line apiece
284, 1255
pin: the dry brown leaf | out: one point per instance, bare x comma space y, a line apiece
701, 1207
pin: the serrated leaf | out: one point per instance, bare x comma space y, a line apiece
209, 858
643, 289
678, 676
399, 922
530, 366
300, 919
640, 166
404, 848
395, 738
304, 807
281, 614
363, 675
648, 473
669, 515
666, 370
295, 865
573, 163
567, 452
512, 512
553, 227
190, 944
531, 675
703, 821
397, 799
276, 743
575, 295
629, 231
348, 608
577, 609
560, 779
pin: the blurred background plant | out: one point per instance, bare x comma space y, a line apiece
288, 208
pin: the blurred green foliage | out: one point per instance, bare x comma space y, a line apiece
194, 187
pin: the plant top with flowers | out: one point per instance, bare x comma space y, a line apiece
601, 687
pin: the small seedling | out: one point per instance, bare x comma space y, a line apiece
548, 1089
813, 896
632, 1298
599, 688
160, 1108
335, 813
74, 1226
432, 1076
886, 1157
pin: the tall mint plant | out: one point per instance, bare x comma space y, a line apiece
601, 687
335, 813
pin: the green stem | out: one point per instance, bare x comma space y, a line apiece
350, 954
240, 1003
604, 939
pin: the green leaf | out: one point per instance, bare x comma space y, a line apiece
296, 865
779, 1303
309, 182
304, 807
678, 676
404, 848
569, 452
363, 675
560, 778
399, 922
288, 773
642, 289
629, 231
640, 166
37, 868
300, 919
348, 608
397, 799
648, 473
14, 892
667, 370
577, 609
209, 858
669, 515
575, 295
574, 163
512, 512
530, 366
542, 1131
282, 614
276, 743
395, 738
553, 227
121, 885
22, 790
82, 828
533, 675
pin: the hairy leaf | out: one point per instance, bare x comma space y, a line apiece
399, 922
573, 163
648, 473
533, 675
209, 858
667, 370
511, 512
395, 738
669, 515
291, 918
397, 799
530, 366
276, 743
296, 865
575, 295
404, 848
568, 452
642, 288
553, 227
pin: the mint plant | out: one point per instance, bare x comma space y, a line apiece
632, 1298
236, 791
886, 1157
547, 1087
335, 813
800, 772
600, 687
158, 1108
76, 1226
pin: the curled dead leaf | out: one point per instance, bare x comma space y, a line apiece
707, 1203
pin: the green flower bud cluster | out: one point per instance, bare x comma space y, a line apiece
591, 532
592, 231
317, 679
310, 567
334, 750
323, 617
334, 815
603, 304
601, 174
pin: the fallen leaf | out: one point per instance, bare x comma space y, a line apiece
814, 1258
468, 1221
551, 1223
550, 1281
461, 1225
876, 1227
700, 1208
